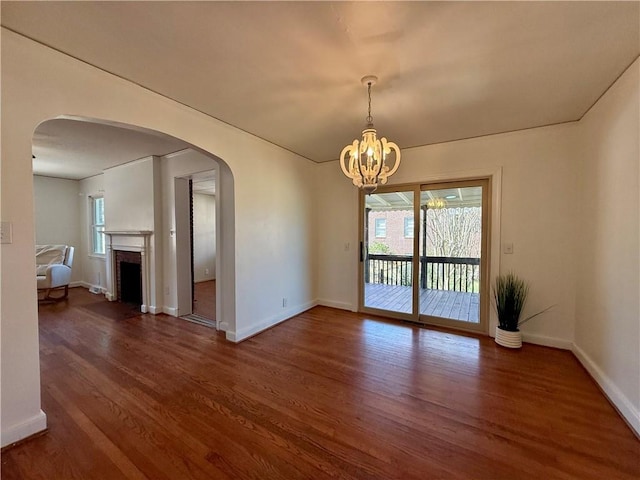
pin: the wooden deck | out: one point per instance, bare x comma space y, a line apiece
461, 306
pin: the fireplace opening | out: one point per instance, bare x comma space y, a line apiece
130, 283
128, 277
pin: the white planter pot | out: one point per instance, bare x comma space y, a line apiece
508, 339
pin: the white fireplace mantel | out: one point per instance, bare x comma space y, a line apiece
129, 241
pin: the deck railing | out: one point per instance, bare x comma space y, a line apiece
458, 274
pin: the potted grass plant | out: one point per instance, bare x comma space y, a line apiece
510, 296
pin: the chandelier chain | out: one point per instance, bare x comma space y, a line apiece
369, 117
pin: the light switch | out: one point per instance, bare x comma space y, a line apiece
6, 234
347, 246
507, 248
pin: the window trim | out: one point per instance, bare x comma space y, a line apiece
94, 226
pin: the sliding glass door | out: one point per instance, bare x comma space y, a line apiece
452, 237
433, 270
387, 251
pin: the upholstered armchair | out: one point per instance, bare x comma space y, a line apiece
53, 270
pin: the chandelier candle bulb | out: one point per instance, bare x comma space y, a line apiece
367, 158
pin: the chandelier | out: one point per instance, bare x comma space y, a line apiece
436, 203
368, 157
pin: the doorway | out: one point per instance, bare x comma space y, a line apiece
424, 253
202, 246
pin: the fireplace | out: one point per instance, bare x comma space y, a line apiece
129, 269
128, 276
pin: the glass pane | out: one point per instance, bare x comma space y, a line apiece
98, 240
98, 211
450, 250
388, 251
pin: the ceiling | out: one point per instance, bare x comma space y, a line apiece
204, 183
289, 72
74, 149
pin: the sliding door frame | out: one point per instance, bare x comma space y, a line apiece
413, 317
483, 325
485, 263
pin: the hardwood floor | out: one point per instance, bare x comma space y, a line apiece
204, 294
328, 394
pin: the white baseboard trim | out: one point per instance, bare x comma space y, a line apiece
205, 279
154, 310
339, 305
96, 289
24, 429
624, 406
239, 336
547, 341
170, 311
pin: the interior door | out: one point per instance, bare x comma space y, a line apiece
453, 289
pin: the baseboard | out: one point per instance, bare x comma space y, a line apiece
239, 336
202, 280
546, 341
154, 310
96, 289
613, 393
170, 311
339, 305
22, 430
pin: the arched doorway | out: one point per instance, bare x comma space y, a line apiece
134, 171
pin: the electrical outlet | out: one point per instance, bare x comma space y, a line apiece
6, 234
206, 271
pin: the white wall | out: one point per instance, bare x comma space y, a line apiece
337, 227
204, 237
607, 336
129, 196
538, 215
93, 267
133, 201
39, 84
57, 215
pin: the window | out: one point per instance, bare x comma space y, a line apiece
381, 227
408, 227
97, 226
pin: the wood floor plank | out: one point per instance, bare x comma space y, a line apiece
327, 394
204, 299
